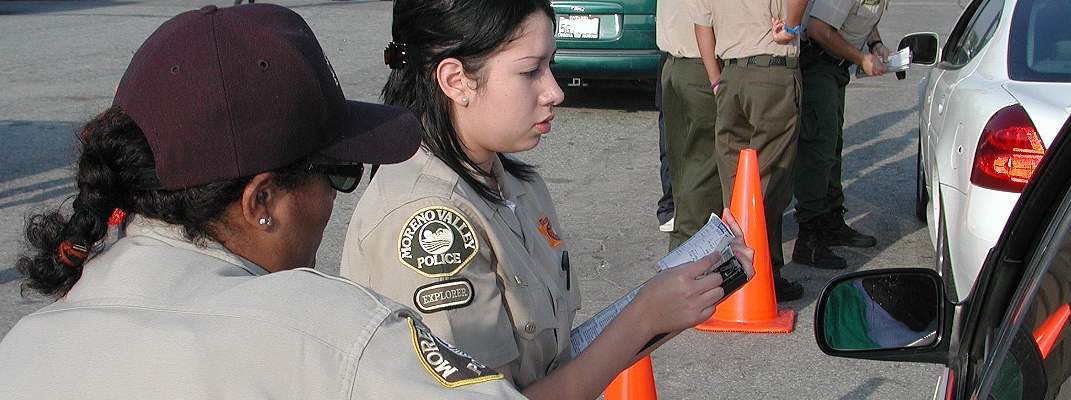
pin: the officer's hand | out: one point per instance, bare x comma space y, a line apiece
881, 50
744, 254
780, 35
873, 65
681, 297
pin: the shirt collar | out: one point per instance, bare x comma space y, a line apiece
173, 235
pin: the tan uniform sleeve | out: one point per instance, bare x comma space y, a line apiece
405, 360
433, 255
832, 12
702, 14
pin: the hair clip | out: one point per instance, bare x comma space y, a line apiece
394, 55
72, 255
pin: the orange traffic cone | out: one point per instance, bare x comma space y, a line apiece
634, 383
1046, 333
752, 308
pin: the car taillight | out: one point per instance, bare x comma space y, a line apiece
1008, 151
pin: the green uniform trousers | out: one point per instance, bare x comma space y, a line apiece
818, 187
758, 108
689, 115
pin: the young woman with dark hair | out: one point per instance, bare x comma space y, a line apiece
467, 234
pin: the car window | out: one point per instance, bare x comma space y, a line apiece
977, 33
1039, 45
1033, 358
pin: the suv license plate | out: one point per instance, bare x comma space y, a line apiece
578, 27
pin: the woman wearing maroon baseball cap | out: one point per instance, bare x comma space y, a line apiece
226, 143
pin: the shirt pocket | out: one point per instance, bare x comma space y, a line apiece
869, 11
531, 309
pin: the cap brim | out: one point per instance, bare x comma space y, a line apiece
377, 134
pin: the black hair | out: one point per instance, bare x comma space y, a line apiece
113, 155
470, 31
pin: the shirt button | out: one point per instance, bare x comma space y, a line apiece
529, 328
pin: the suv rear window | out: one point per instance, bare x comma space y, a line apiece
1039, 46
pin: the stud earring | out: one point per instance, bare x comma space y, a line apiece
465, 100
267, 222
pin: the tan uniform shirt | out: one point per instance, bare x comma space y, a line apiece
156, 316
742, 27
488, 278
674, 29
854, 20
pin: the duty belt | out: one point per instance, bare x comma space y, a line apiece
823, 55
765, 61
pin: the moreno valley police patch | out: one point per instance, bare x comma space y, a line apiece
436, 242
450, 366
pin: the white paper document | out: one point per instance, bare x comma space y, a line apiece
899, 61
896, 62
715, 236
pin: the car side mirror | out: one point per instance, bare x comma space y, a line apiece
924, 47
880, 310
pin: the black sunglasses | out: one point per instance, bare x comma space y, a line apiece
344, 176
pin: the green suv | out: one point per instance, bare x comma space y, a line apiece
605, 40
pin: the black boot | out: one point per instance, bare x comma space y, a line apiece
786, 290
809, 249
837, 233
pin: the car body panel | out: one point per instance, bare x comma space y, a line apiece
957, 98
1047, 103
994, 342
623, 48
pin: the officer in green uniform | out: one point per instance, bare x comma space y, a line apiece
835, 33
750, 51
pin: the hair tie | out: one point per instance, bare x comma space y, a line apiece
72, 255
394, 55
117, 217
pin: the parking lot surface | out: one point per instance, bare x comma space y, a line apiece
62, 59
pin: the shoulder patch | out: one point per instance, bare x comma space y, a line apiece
445, 295
548, 231
436, 242
450, 366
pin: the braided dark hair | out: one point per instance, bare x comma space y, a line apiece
113, 155
471, 31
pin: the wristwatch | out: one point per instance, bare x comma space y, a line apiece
795, 30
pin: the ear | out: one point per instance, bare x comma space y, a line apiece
258, 200
453, 81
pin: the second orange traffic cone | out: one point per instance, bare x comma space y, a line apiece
752, 308
1046, 333
634, 383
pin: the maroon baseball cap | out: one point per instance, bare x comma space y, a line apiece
224, 93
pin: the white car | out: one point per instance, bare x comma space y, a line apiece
998, 92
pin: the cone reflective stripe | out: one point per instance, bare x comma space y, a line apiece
752, 308
1046, 333
634, 383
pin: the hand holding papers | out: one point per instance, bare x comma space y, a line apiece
715, 236
896, 62
899, 61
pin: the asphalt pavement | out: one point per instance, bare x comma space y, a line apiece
61, 60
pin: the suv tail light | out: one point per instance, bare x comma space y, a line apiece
1008, 151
